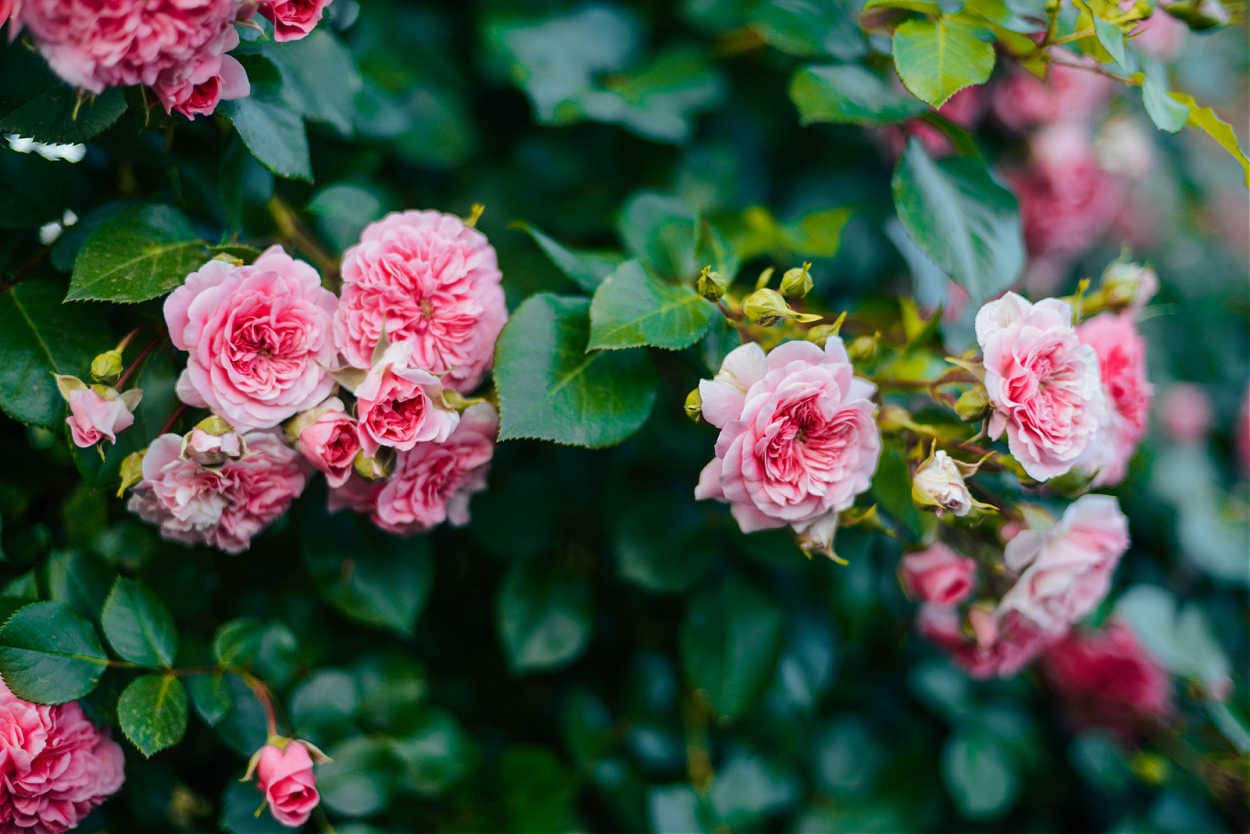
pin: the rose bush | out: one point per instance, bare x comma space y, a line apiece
692, 417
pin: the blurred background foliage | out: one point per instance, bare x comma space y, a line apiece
596, 651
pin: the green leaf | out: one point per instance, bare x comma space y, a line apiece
849, 94
435, 751
660, 100
39, 337
211, 696
324, 705
370, 576
585, 269
1182, 640
544, 616
937, 58
891, 488
238, 812
1208, 121
748, 789
1111, 38
962, 218
980, 773
551, 389
361, 778
632, 308
817, 234
80, 580
662, 232
661, 542
811, 28
49, 654
319, 78
343, 210
273, 130
36, 104
238, 642
142, 253
1168, 113
138, 625
730, 639
152, 712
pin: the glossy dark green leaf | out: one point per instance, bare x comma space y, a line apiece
544, 615
807, 28
361, 778
49, 654
662, 543
585, 269
979, 773
550, 388
435, 750
849, 94
273, 129
632, 308
36, 104
152, 713
662, 232
79, 579
344, 209
138, 625
141, 253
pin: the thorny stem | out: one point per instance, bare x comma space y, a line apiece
294, 234
138, 360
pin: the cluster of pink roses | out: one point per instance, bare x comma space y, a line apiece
412, 332
177, 48
55, 766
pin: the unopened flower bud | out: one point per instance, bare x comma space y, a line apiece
862, 348
1128, 284
212, 442
373, 468
107, 366
973, 404
765, 306
797, 282
131, 471
939, 485
284, 774
710, 284
694, 405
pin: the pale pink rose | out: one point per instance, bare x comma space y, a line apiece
210, 448
937, 574
56, 766
1042, 382
1063, 571
285, 777
993, 645
258, 338
197, 89
1067, 200
293, 19
1107, 679
96, 412
1022, 101
329, 440
425, 278
399, 405
798, 441
964, 109
433, 482
223, 507
1185, 411
163, 44
1122, 365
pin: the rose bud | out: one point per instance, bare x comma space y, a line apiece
939, 485
328, 438
710, 284
937, 574
797, 282
399, 405
96, 411
284, 774
212, 442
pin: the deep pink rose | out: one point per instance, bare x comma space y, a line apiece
96, 411
1022, 101
1067, 199
55, 766
293, 19
1063, 571
399, 405
328, 438
1185, 411
1122, 363
937, 574
994, 645
433, 482
1042, 382
173, 46
798, 440
1107, 679
223, 507
285, 777
258, 337
6, 9
425, 278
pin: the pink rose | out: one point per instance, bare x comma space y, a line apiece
212, 447
1185, 411
196, 89
285, 776
1063, 571
400, 406
937, 574
993, 645
164, 44
798, 441
433, 482
1107, 679
328, 438
293, 19
6, 9
57, 766
96, 411
1042, 383
258, 337
221, 507
424, 278
1122, 363
1022, 101
1067, 200
356, 494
